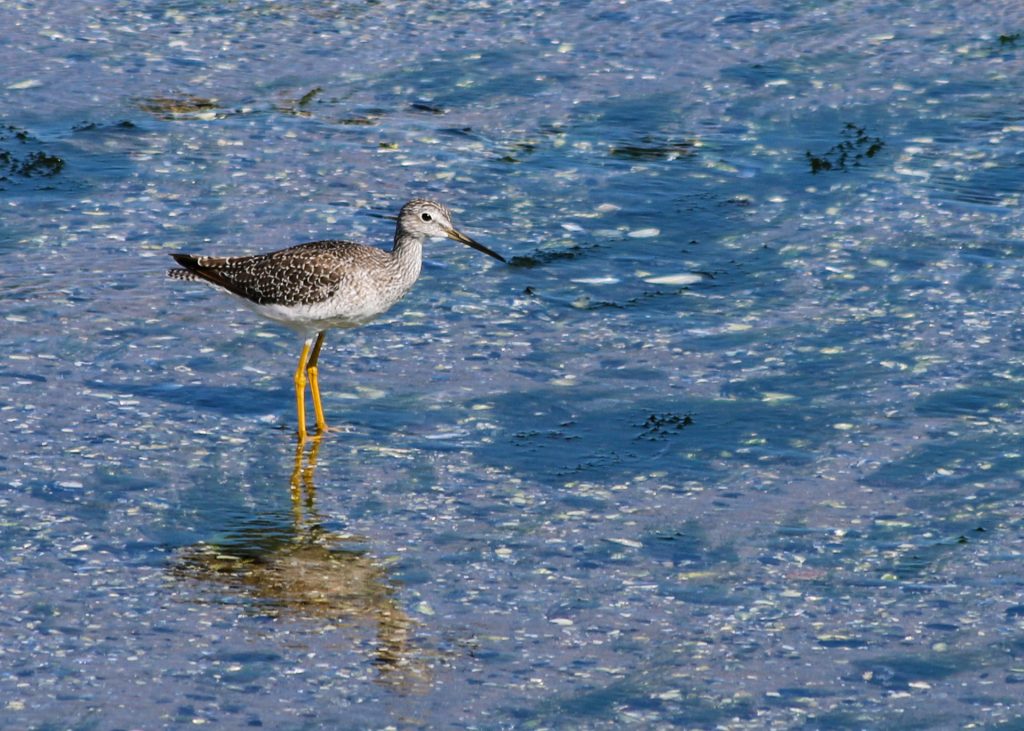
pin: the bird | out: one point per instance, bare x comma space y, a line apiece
322, 285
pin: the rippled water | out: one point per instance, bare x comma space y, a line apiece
735, 441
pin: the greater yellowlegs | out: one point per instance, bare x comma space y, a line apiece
314, 287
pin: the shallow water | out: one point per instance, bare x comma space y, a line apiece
734, 442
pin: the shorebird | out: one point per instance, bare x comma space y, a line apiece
312, 288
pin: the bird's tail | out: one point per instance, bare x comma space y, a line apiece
204, 269
190, 268
183, 274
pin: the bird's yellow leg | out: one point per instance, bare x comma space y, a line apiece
300, 389
314, 384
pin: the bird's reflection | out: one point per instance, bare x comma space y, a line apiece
299, 569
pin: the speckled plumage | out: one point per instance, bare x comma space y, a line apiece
311, 287
314, 287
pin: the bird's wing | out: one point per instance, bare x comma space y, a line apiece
302, 274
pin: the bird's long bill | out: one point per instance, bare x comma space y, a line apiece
463, 239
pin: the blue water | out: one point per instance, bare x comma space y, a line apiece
735, 441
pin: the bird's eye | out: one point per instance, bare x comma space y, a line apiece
425, 217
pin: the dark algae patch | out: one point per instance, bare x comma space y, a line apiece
178, 107
298, 107
428, 108
652, 148
549, 256
309, 96
35, 165
660, 426
16, 162
518, 151
124, 124
852, 150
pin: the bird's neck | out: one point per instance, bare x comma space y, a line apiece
407, 246
407, 253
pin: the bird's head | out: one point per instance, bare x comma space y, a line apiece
428, 219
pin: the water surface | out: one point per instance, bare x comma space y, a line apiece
734, 442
